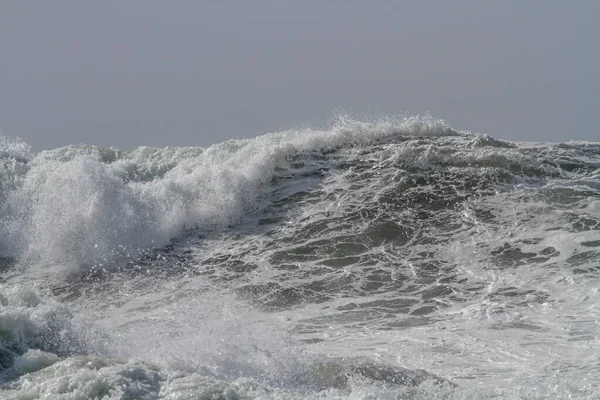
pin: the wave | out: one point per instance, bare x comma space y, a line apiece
83, 206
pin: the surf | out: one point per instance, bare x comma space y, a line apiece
392, 258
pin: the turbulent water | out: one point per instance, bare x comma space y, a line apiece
382, 260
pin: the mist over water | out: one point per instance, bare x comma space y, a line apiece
384, 259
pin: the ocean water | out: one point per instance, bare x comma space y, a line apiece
372, 260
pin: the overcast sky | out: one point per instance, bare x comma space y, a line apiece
130, 73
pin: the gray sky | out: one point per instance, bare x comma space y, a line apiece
130, 73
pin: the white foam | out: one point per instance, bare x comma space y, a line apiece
33, 328
34, 360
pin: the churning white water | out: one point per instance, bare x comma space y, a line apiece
382, 260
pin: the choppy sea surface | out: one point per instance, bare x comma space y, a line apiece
372, 260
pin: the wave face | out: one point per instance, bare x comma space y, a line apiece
389, 259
